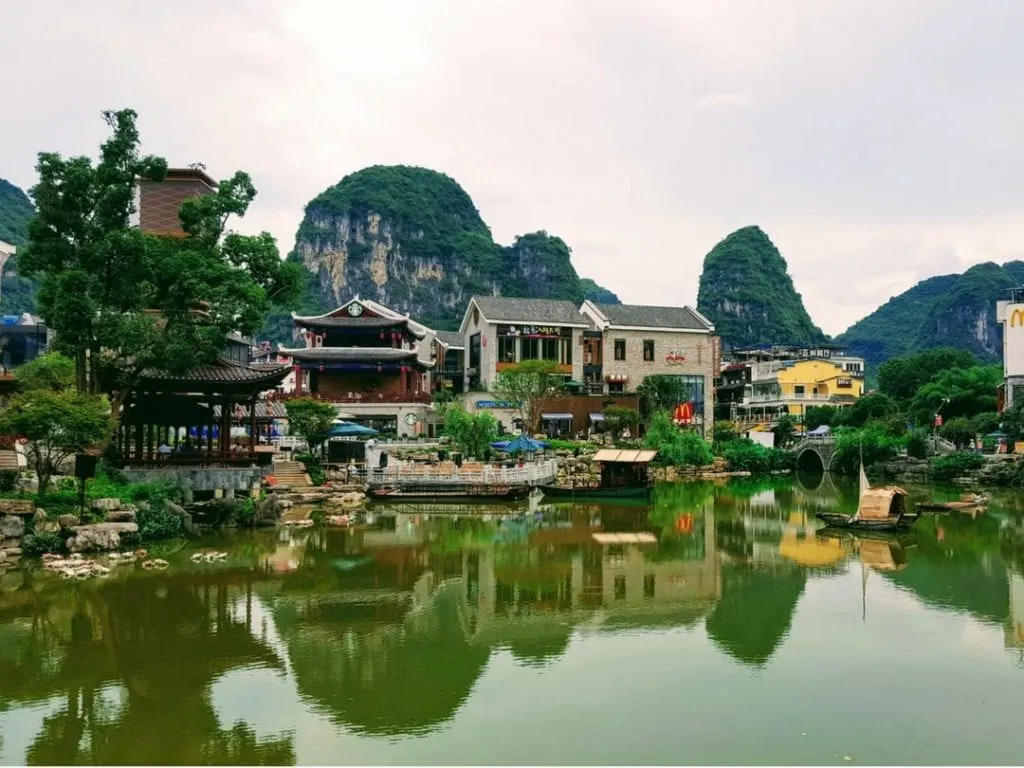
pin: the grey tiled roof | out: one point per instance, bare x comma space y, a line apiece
451, 338
652, 317
350, 354
540, 311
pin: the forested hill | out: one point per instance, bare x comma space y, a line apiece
412, 239
955, 310
17, 295
746, 291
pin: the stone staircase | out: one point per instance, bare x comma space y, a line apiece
291, 473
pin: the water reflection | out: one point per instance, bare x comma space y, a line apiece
388, 628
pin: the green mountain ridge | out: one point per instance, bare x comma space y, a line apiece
746, 291
412, 239
956, 310
17, 294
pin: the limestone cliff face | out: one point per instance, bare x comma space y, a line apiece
746, 291
17, 294
412, 239
945, 311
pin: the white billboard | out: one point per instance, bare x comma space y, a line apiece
1012, 318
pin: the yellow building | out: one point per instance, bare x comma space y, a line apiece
795, 386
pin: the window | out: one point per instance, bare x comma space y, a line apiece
620, 349
531, 349
620, 587
844, 383
798, 390
649, 585
615, 388
649, 350
550, 349
506, 349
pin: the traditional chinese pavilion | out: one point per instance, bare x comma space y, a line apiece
361, 352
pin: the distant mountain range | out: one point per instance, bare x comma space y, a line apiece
413, 239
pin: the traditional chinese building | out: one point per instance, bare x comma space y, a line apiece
375, 361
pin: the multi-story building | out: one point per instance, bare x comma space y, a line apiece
631, 342
499, 332
1010, 314
370, 359
762, 384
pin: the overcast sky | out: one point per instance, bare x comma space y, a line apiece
877, 142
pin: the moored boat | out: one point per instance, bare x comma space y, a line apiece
438, 493
624, 474
879, 509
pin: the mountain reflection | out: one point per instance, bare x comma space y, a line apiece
385, 629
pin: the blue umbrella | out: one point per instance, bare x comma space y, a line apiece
193, 432
521, 444
350, 429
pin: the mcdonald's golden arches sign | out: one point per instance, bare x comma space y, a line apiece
1017, 317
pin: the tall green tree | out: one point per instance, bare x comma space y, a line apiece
310, 419
901, 377
472, 433
55, 421
957, 392
122, 301
529, 384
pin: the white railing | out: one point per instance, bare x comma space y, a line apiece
288, 442
531, 473
787, 398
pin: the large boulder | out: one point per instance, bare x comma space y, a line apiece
17, 507
68, 521
101, 537
268, 511
177, 509
125, 514
11, 527
106, 504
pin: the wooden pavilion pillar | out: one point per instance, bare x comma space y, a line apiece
226, 412
252, 425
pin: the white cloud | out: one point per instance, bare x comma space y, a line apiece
722, 100
875, 144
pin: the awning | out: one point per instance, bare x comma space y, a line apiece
624, 457
556, 416
597, 417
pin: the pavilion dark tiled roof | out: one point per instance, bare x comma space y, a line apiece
535, 311
653, 317
350, 354
224, 371
367, 323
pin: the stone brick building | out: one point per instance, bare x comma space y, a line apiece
630, 343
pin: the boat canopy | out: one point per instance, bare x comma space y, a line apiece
880, 503
624, 457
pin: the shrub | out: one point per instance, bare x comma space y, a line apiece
9, 480
679, 447
745, 455
157, 521
945, 468
917, 444
244, 514
35, 544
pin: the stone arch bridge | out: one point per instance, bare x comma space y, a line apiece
822, 449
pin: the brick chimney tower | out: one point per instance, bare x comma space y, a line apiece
158, 202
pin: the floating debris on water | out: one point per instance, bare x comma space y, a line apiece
209, 557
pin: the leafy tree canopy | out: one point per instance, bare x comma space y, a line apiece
529, 384
677, 447
128, 301
472, 433
55, 420
310, 419
900, 378
957, 392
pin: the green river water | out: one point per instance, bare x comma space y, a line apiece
722, 628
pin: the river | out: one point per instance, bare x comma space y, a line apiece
712, 626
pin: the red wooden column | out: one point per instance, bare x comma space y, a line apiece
404, 379
298, 379
252, 425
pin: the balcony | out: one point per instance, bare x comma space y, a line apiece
369, 398
780, 399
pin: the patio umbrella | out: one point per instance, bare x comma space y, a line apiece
350, 429
521, 444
